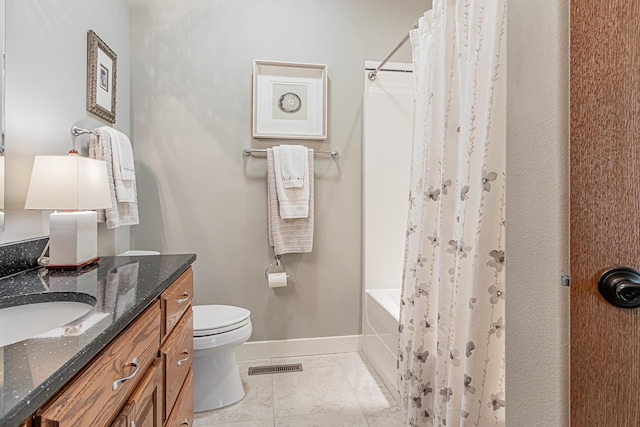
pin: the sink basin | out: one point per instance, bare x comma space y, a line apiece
21, 322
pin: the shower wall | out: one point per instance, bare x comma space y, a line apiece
387, 128
387, 136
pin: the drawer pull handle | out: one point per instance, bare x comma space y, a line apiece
183, 300
185, 423
133, 363
181, 361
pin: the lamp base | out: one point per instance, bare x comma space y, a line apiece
73, 239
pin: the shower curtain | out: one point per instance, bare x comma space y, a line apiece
451, 356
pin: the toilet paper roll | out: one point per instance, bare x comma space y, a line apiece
277, 280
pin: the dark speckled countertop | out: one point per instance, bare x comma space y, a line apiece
33, 370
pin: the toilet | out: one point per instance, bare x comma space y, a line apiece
217, 331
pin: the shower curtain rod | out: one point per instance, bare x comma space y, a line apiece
372, 74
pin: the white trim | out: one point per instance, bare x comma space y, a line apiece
299, 347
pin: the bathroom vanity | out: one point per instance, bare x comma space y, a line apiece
127, 362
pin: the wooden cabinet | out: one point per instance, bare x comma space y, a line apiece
182, 413
97, 394
177, 352
175, 301
177, 347
145, 406
142, 378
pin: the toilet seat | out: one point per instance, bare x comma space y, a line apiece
218, 319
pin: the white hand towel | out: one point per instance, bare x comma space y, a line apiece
293, 162
293, 202
120, 213
127, 166
123, 169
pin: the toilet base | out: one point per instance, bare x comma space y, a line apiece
217, 380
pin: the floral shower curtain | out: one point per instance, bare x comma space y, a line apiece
451, 358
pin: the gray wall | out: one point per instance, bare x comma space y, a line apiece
537, 316
46, 45
191, 102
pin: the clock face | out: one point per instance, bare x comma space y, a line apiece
289, 102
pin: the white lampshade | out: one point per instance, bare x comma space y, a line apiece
68, 183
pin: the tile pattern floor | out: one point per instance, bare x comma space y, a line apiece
332, 390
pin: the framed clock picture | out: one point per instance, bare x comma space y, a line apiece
289, 100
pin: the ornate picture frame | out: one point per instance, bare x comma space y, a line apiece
101, 78
289, 100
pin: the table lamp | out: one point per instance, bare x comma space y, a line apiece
73, 185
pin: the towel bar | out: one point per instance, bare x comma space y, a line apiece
249, 151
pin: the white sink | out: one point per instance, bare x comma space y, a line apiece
20, 322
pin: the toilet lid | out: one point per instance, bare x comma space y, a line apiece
216, 319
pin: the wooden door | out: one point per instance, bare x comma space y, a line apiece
605, 208
144, 407
148, 399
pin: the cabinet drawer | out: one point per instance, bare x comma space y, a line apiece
182, 414
97, 394
177, 352
175, 300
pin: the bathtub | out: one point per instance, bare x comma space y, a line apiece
380, 332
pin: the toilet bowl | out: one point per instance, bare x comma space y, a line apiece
217, 331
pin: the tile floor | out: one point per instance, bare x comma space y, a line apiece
332, 390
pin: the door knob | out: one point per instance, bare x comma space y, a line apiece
620, 286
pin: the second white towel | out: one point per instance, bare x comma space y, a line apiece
293, 165
121, 212
294, 201
123, 170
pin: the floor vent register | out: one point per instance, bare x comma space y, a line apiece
275, 369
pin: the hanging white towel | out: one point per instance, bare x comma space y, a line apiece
288, 236
293, 164
123, 168
293, 202
120, 213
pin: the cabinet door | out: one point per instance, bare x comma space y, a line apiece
144, 408
148, 399
124, 417
182, 413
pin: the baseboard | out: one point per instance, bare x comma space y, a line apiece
298, 347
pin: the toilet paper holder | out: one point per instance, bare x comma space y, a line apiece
274, 264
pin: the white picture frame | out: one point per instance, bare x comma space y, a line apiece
289, 100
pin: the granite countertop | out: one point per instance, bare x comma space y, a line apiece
33, 370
